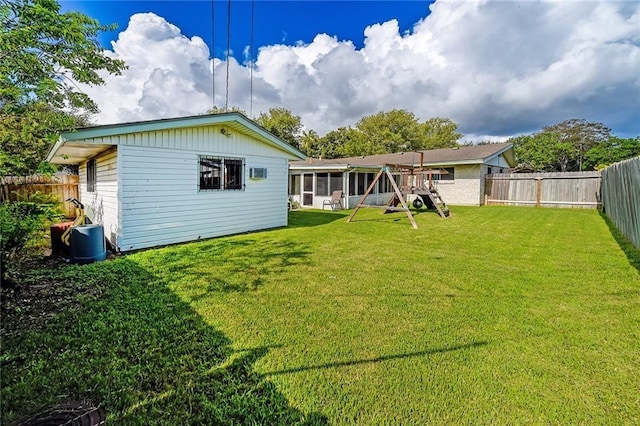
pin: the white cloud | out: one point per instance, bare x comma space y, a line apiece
494, 67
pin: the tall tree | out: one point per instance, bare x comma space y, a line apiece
542, 152
343, 142
310, 143
561, 147
581, 136
282, 123
611, 151
391, 131
43, 55
27, 136
439, 133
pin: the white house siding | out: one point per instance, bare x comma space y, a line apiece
101, 206
465, 189
160, 200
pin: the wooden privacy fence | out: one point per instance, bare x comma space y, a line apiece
64, 187
567, 190
621, 197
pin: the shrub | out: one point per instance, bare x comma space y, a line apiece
23, 222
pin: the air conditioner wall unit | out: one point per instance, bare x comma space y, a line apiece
258, 173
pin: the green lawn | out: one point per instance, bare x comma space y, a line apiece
494, 315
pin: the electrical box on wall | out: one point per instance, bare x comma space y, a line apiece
258, 173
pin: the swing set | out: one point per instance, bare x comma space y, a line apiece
415, 180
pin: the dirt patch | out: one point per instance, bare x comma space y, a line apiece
37, 295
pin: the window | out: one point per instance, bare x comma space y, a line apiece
233, 172
385, 184
210, 172
335, 181
294, 184
449, 176
352, 183
91, 175
220, 173
370, 178
308, 182
362, 183
322, 184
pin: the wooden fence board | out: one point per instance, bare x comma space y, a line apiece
566, 190
63, 186
621, 197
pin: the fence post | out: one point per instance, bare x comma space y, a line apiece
538, 191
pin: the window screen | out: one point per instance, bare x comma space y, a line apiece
294, 185
219, 173
91, 175
322, 184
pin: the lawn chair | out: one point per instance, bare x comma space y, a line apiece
335, 201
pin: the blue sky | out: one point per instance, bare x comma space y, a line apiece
496, 68
273, 21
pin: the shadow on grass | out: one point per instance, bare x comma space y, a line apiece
307, 218
376, 359
141, 353
223, 265
630, 250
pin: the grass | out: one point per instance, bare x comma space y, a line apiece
495, 315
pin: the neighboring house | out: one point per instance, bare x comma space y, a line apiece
312, 181
168, 181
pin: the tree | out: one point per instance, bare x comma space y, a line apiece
26, 137
219, 110
561, 147
342, 142
385, 132
310, 143
282, 123
611, 151
43, 55
439, 133
578, 136
542, 152
399, 131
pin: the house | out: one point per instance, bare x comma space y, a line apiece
312, 181
167, 181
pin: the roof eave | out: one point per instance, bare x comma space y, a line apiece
84, 134
54, 148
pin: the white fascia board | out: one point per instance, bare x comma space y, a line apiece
271, 138
178, 123
54, 149
144, 126
311, 167
499, 153
340, 167
453, 163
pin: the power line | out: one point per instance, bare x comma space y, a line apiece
213, 56
226, 99
251, 64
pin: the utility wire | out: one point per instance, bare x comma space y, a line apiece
226, 99
213, 56
251, 64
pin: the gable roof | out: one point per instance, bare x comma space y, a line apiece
472, 154
75, 146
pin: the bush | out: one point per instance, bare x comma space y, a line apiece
22, 222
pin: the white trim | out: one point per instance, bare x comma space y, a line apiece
231, 119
